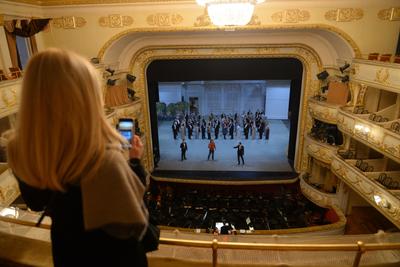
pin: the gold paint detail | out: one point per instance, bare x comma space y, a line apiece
203, 20
291, 16
323, 112
115, 21
382, 76
1, 20
344, 14
254, 21
390, 14
71, 22
164, 19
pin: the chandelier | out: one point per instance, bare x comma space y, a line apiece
229, 12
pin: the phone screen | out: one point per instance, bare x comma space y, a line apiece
125, 127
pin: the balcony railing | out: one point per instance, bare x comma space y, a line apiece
321, 151
379, 138
317, 196
360, 248
9, 96
323, 111
382, 75
367, 187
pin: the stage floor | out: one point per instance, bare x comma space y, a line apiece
260, 155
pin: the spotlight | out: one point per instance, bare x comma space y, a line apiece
111, 71
344, 67
131, 93
322, 75
111, 82
130, 77
95, 60
345, 79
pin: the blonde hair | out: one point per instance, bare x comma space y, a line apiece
61, 132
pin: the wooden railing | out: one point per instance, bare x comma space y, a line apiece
360, 247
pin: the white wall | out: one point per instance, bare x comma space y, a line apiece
170, 92
277, 99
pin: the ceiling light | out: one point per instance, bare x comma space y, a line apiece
229, 12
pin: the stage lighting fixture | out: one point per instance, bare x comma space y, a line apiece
95, 60
345, 79
344, 67
322, 75
131, 78
111, 71
131, 93
111, 82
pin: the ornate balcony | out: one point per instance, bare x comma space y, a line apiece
377, 74
367, 186
323, 111
321, 151
9, 96
317, 196
379, 138
9, 189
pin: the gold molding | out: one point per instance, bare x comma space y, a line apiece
115, 21
146, 55
164, 19
86, 2
382, 76
212, 28
344, 14
223, 182
70, 22
291, 16
390, 14
1, 20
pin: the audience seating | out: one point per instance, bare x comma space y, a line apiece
3, 76
385, 57
373, 56
15, 72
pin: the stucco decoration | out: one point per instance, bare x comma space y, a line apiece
254, 21
164, 19
390, 14
71, 22
291, 16
115, 21
203, 20
344, 14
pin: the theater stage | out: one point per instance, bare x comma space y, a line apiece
260, 155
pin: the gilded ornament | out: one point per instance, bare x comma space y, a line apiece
71, 22
164, 19
1, 20
382, 76
115, 21
184, 51
344, 14
291, 16
203, 20
224, 51
391, 14
268, 50
254, 21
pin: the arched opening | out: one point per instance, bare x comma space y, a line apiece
234, 69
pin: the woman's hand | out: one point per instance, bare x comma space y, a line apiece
137, 149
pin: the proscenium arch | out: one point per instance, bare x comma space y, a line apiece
335, 33
309, 59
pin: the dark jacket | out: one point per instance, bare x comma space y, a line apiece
71, 244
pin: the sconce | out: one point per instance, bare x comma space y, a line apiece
364, 130
131, 78
344, 67
380, 201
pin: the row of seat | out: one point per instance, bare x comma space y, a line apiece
15, 73
388, 182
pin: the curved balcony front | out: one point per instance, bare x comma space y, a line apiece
369, 133
383, 200
9, 96
382, 75
323, 111
321, 151
9, 190
320, 198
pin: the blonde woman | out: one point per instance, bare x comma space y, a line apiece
69, 163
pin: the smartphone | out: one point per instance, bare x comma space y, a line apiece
126, 128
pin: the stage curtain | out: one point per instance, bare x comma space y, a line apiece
26, 28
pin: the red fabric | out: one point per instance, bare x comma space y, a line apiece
331, 216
